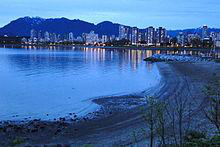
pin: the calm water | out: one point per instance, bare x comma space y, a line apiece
34, 83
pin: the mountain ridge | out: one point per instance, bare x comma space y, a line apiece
22, 27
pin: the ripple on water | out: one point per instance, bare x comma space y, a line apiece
57, 83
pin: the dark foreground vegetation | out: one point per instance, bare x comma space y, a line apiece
170, 123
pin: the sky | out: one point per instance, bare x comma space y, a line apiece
172, 14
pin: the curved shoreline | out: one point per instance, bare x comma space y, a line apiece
113, 124
109, 115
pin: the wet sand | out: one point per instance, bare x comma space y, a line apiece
119, 117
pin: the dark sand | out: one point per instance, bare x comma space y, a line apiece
119, 117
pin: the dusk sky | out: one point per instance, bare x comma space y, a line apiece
172, 14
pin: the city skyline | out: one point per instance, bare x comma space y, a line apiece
169, 14
150, 36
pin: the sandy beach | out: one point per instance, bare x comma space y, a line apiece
119, 117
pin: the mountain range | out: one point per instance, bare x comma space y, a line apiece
22, 27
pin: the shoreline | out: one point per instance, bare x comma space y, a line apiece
114, 124
95, 105
113, 47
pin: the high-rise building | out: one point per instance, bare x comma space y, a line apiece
59, 38
205, 34
213, 36
123, 32
150, 36
190, 37
130, 36
71, 38
217, 42
40, 36
161, 35
33, 35
141, 35
127, 30
181, 39
53, 37
46, 37
91, 38
84, 37
218, 36
134, 35
104, 38
112, 38
79, 39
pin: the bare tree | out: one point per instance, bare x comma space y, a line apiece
212, 109
178, 111
172, 120
149, 117
160, 113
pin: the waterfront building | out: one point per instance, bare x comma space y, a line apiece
112, 38
40, 37
205, 34
213, 36
127, 31
65, 38
71, 38
91, 38
123, 32
129, 37
134, 36
141, 35
79, 39
218, 36
117, 38
24, 40
217, 42
46, 37
33, 35
150, 36
84, 37
104, 38
59, 38
161, 35
181, 39
53, 37
190, 37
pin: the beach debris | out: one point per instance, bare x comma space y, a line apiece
179, 58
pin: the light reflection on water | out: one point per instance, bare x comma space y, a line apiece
35, 82
57, 81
